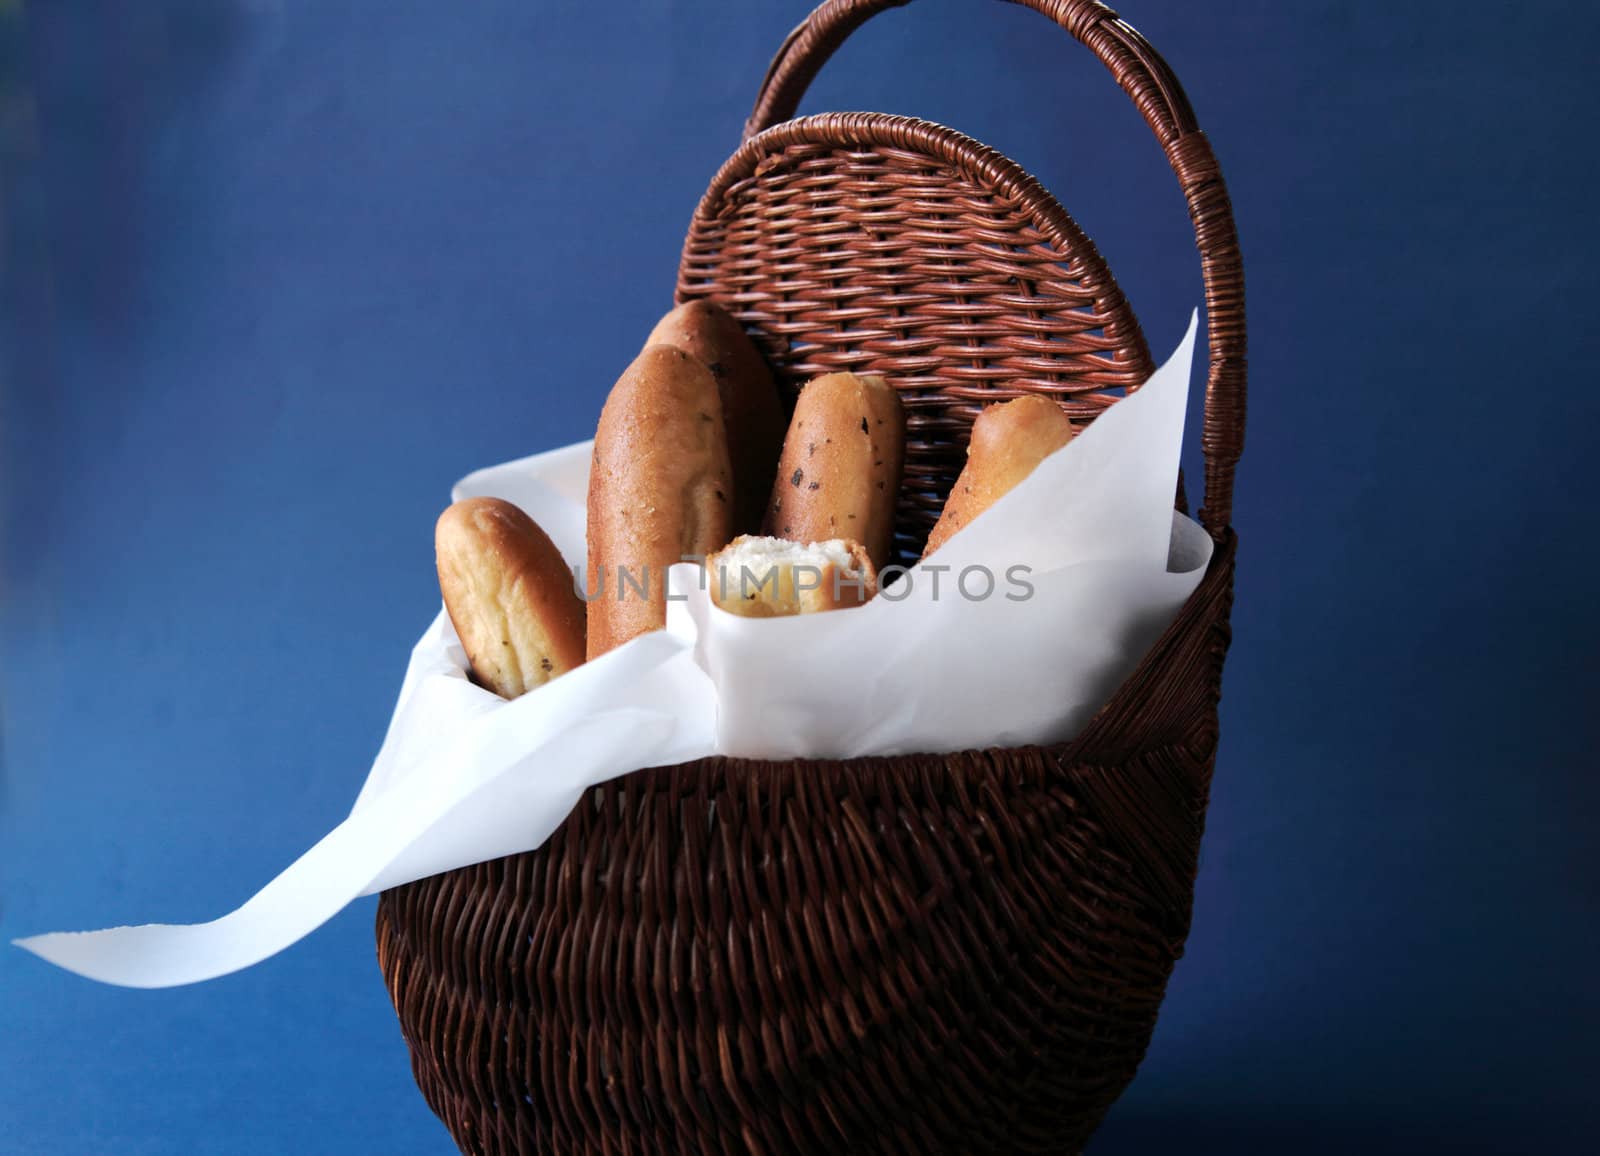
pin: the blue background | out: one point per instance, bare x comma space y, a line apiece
276, 273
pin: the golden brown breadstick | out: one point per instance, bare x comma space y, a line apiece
772, 577
509, 594
659, 491
1008, 441
839, 475
751, 411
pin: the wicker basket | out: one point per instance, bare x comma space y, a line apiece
952, 953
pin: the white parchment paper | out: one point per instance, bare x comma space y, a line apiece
1015, 632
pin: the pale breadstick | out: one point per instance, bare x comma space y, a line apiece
1009, 440
509, 594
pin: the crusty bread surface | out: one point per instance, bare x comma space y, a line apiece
660, 491
751, 411
839, 475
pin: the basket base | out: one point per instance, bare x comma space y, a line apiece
923, 953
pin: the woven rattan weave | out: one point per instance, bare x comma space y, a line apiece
943, 953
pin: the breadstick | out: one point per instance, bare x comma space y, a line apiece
659, 491
1008, 441
509, 594
751, 411
839, 475
772, 577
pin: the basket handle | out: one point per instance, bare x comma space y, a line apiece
1145, 77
